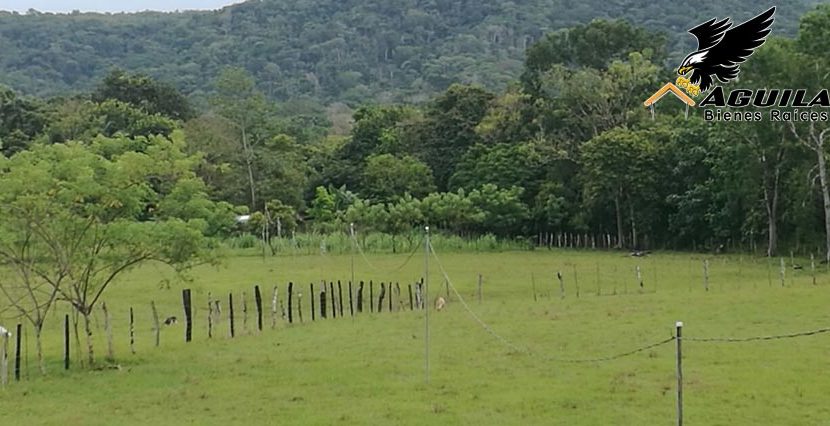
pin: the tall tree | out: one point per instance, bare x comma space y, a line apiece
242, 104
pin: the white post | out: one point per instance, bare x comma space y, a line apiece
4, 359
678, 339
427, 248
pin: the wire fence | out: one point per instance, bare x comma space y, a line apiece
515, 347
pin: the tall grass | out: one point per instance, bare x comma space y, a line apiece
341, 243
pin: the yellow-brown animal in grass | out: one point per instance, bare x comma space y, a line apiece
440, 303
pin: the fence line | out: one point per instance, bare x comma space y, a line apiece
756, 338
378, 270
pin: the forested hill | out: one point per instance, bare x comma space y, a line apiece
346, 50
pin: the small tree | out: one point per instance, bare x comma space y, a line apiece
99, 210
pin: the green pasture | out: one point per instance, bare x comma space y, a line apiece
370, 369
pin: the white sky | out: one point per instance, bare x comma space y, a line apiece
67, 6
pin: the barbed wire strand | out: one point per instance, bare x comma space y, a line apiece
526, 351
391, 271
755, 338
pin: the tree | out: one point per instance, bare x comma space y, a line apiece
504, 213
812, 38
388, 177
21, 120
91, 211
449, 129
145, 93
619, 165
239, 101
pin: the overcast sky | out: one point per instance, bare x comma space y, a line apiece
111, 5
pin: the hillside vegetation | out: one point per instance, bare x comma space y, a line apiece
344, 50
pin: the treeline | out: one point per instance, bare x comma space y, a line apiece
568, 147
328, 50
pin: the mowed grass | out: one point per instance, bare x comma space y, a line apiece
370, 369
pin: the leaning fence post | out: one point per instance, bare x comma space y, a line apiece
156, 329
411, 306
300, 305
351, 302
561, 285
380, 297
679, 340
258, 300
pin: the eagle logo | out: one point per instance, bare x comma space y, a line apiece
721, 49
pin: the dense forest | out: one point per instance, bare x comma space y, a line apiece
330, 50
566, 146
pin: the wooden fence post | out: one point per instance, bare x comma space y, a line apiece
390, 296
576, 282
371, 296
398, 295
323, 303
311, 293
290, 302
156, 324
351, 302
479, 288
210, 316
230, 314
447, 289
411, 306
340, 297
561, 285
333, 300
274, 302
258, 301
360, 297
17, 353
380, 297
66, 342
300, 305
188, 315
132, 331
244, 313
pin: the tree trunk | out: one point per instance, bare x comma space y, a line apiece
825, 193
619, 221
771, 180
249, 158
90, 352
39, 347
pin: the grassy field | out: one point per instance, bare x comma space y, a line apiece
370, 369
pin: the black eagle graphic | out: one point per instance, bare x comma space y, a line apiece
720, 50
